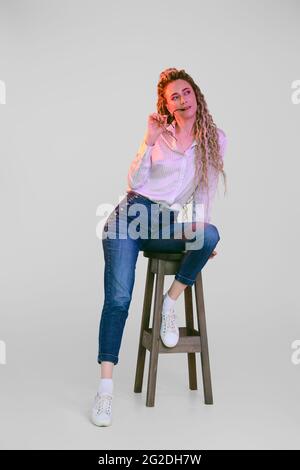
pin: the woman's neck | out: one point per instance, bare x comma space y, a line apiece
184, 129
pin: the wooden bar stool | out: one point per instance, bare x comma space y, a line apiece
190, 339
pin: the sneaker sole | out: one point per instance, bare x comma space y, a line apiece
103, 424
167, 345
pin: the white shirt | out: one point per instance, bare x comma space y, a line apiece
166, 176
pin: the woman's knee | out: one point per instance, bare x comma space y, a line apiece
212, 235
205, 237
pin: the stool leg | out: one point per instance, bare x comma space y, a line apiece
208, 397
158, 300
140, 365
190, 325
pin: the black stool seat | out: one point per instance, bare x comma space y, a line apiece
164, 255
191, 340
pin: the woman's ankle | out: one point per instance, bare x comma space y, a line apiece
106, 386
107, 370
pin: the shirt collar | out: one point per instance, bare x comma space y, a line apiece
171, 127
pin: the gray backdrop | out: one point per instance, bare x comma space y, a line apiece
78, 83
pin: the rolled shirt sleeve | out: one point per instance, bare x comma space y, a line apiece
140, 166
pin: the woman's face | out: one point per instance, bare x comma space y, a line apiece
180, 96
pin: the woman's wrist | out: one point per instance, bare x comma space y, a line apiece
149, 142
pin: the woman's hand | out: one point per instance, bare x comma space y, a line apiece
214, 253
155, 127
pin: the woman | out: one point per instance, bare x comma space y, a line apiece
178, 161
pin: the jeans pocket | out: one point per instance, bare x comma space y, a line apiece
131, 196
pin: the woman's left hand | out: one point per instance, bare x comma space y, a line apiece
214, 253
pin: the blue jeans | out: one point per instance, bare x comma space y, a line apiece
120, 255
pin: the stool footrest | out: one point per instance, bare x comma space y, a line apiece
189, 341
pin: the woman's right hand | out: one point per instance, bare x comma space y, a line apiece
154, 127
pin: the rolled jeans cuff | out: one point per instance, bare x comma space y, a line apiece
184, 280
108, 357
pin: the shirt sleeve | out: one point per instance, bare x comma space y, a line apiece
203, 199
140, 166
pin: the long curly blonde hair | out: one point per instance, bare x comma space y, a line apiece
204, 129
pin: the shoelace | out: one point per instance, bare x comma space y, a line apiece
169, 321
103, 403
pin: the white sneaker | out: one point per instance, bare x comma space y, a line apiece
169, 331
102, 409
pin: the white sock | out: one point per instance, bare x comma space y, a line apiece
168, 302
106, 386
